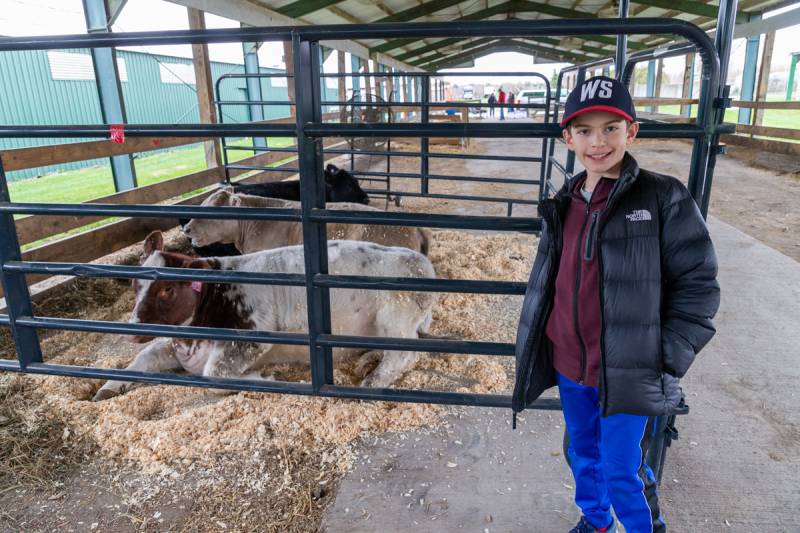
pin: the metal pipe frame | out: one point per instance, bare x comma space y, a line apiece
310, 131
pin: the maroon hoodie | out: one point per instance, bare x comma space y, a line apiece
574, 325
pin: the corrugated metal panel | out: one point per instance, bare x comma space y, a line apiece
29, 94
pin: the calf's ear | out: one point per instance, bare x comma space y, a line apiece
154, 242
227, 188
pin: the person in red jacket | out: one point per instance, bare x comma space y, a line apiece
501, 99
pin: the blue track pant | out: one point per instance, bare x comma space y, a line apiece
606, 455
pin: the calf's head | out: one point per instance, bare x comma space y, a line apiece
165, 302
204, 231
343, 187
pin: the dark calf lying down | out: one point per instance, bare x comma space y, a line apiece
340, 186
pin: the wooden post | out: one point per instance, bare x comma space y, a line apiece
686, 92
367, 81
659, 78
288, 59
763, 76
404, 113
205, 89
342, 86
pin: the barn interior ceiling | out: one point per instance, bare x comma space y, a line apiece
431, 54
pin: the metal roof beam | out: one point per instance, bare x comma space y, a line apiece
304, 7
257, 15
420, 11
508, 45
691, 7
416, 52
415, 56
518, 7
437, 56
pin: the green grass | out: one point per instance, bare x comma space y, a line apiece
81, 185
85, 184
773, 118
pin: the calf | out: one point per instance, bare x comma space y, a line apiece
340, 186
255, 235
275, 308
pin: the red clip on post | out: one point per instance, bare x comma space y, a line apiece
117, 132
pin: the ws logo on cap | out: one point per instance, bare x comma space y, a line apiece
591, 87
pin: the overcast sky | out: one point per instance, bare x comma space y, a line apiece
58, 17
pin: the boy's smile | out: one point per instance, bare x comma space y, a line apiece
599, 140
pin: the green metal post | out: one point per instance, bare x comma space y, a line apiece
749, 74
790, 83
109, 90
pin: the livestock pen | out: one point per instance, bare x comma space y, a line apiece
311, 130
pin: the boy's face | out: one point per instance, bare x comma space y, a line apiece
599, 140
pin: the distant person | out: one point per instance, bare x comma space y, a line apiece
501, 99
620, 301
492, 102
510, 102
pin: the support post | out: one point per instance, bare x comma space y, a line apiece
253, 86
367, 82
749, 76
651, 82
688, 84
790, 82
424, 142
312, 195
342, 85
205, 89
15, 287
109, 91
622, 42
763, 76
288, 60
659, 78
570, 163
355, 67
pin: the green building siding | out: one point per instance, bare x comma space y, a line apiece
29, 95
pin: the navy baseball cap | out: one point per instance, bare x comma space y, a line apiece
600, 93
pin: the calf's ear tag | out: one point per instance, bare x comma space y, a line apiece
197, 286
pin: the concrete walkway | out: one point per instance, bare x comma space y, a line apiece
736, 466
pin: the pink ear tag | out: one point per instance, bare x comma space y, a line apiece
197, 286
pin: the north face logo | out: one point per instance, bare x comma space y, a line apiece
638, 215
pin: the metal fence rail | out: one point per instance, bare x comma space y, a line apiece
310, 130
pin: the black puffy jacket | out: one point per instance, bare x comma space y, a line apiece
658, 294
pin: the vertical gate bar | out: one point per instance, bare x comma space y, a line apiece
723, 42
355, 68
312, 195
544, 163
15, 287
570, 166
622, 43
223, 141
424, 143
556, 107
253, 88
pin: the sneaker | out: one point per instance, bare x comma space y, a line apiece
585, 527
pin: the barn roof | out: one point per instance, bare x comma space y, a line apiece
430, 54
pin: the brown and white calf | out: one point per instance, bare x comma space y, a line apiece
275, 308
255, 235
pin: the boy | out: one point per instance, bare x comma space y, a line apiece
619, 302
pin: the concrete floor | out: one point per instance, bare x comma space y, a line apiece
736, 466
